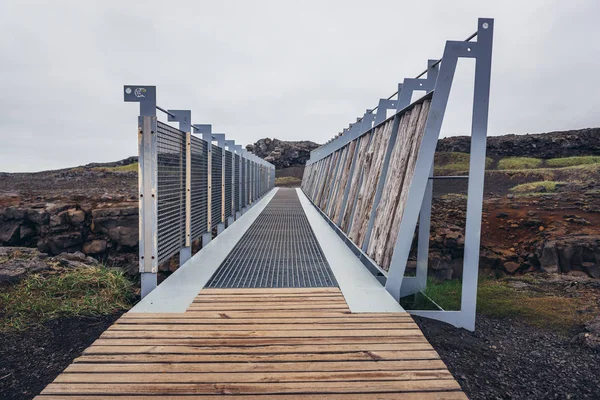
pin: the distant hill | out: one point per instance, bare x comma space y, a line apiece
281, 153
581, 142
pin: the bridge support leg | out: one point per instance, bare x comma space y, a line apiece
206, 238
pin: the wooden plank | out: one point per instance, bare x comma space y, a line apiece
266, 302
246, 334
316, 348
260, 367
337, 205
335, 184
254, 299
261, 327
269, 290
267, 296
281, 357
396, 386
270, 314
393, 185
316, 322
408, 178
372, 169
248, 342
444, 395
355, 182
258, 327
245, 306
255, 377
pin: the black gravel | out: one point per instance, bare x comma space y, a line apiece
506, 359
30, 360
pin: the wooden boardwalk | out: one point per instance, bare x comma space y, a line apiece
259, 344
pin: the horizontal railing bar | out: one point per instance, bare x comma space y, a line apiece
450, 177
165, 111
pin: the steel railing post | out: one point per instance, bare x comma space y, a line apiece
147, 183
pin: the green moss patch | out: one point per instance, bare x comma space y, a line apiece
519, 163
64, 293
572, 161
543, 186
451, 163
496, 298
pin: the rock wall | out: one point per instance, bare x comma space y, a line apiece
107, 230
281, 153
583, 142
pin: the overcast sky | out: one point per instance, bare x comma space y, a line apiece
293, 70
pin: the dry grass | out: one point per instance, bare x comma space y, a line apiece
287, 181
121, 168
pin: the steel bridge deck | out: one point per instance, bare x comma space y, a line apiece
278, 250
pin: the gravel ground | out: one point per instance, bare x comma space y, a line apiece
30, 360
505, 359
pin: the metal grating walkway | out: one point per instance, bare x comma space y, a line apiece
279, 250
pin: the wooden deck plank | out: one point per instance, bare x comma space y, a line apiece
289, 357
259, 344
452, 395
317, 322
249, 342
256, 377
307, 348
396, 386
260, 367
261, 327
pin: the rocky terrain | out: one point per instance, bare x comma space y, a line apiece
93, 209
87, 216
580, 142
283, 154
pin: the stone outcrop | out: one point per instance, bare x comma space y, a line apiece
108, 231
583, 142
576, 253
282, 154
17, 262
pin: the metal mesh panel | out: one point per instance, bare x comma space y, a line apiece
199, 187
244, 190
228, 185
216, 181
171, 190
236, 179
278, 250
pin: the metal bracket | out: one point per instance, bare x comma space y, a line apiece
184, 117
411, 85
145, 95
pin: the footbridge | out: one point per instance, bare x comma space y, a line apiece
290, 293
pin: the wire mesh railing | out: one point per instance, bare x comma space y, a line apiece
190, 187
199, 189
171, 190
228, 185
